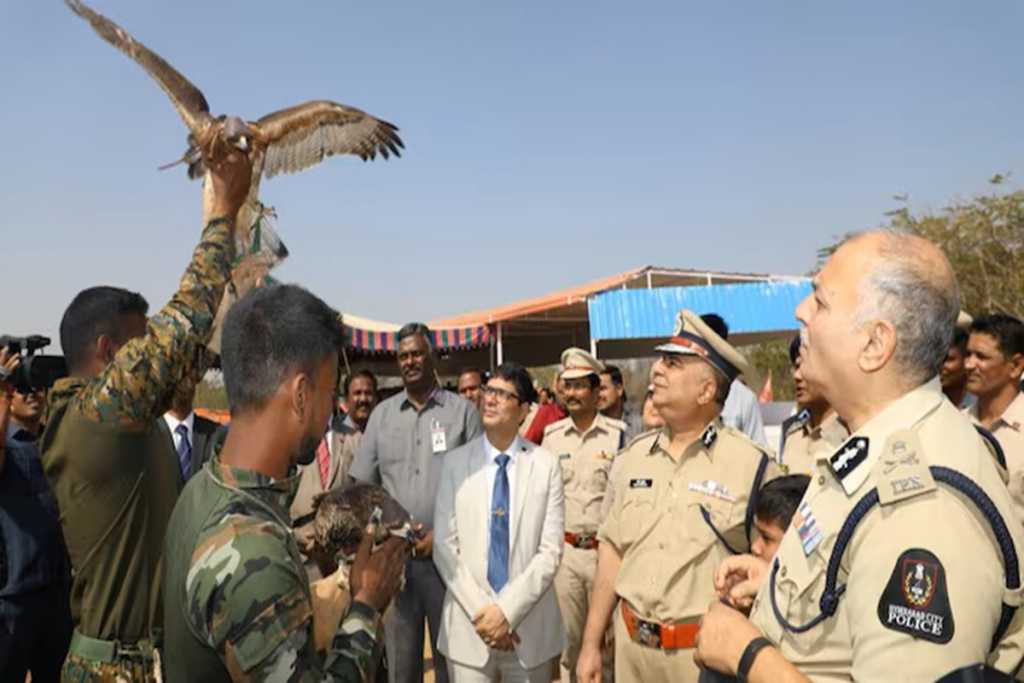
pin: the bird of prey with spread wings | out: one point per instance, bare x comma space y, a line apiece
286, 141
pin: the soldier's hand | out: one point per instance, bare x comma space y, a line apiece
588, 666
377, 576
738, 579
229, 179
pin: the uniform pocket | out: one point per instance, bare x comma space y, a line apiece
637, 514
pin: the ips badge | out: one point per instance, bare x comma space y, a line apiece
915, 600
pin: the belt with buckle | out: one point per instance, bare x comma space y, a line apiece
109, 651
581, 541
660, 636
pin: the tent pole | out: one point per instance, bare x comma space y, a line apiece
493, 364
501, 349
593, 347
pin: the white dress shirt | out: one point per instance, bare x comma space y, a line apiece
491, 468
189, 422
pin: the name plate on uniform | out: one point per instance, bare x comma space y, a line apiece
641, 483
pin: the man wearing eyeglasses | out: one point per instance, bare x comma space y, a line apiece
586, 443
684, 500
497, 543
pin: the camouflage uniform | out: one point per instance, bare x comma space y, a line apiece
114, 478
237, 601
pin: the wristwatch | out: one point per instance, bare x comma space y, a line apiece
748, 656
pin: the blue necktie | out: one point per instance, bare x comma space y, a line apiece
497, 552
184, 451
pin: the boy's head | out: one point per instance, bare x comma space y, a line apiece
776, 504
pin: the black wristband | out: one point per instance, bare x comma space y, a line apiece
747, 658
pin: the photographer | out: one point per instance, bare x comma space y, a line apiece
109, 467
35, 621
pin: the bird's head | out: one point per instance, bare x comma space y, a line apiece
235, 132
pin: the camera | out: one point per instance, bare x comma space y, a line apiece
36, 372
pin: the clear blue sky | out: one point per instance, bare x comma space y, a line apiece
548, 143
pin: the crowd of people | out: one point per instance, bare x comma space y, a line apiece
557, 532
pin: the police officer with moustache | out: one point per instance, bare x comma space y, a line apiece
586, 443
814, 427
902, 561
683, 501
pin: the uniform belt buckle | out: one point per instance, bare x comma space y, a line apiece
648, 633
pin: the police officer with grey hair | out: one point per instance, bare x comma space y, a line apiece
902, 561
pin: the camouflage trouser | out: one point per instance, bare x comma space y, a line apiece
81, 670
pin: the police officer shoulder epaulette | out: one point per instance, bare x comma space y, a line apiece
902, 470
617, 424
554, 426
742, 436
641, 437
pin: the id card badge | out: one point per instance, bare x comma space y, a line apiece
437, 438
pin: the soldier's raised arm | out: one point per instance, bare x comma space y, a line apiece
137, 383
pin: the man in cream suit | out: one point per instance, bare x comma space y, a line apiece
498, 529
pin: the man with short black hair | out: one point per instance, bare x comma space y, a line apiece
741, 409
953, 374
994, 364
190, 435
403, 448
470, 382
813, 429
612, 400
776, 504
586, 443
109, 467
35, 618
237, 605
499, 524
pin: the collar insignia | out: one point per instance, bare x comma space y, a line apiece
849, 456
709, 436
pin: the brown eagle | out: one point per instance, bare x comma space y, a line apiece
286, 141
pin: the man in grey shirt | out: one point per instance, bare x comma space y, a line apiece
403, 449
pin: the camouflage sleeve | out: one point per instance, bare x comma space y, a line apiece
249, 601
136, 387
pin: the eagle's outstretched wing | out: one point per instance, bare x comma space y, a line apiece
301, 136
186, 98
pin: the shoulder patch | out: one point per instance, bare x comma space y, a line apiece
653, 433
916, 600
618, 424
740, 436
555, 426
793, 422
902, 470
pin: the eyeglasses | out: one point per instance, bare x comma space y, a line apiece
505, 396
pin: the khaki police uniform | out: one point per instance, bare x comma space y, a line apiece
1009, 432
586, 460
922, 575
673, 521
669, 551
801, 441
